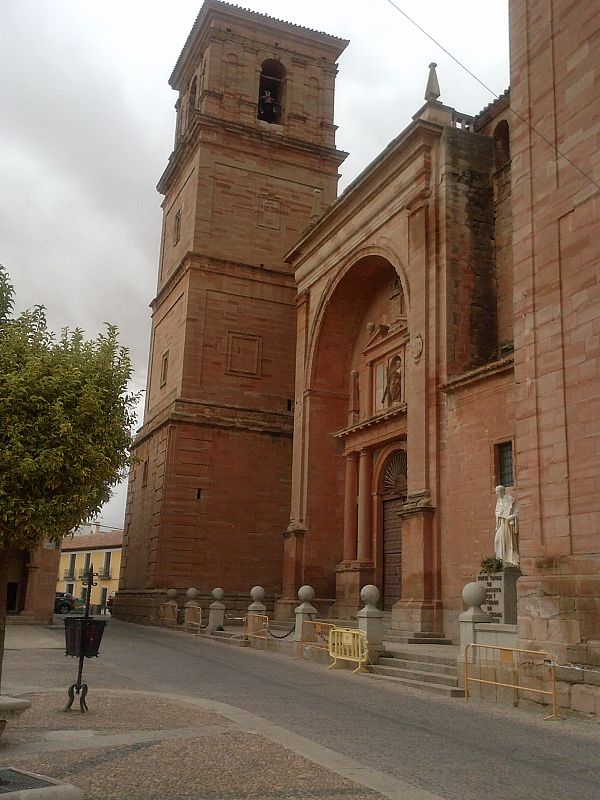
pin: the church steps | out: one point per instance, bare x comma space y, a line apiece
415, 675
412, 656
421, 666
435, 688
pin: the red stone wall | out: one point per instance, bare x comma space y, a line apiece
216, 440
555, 50
478, 415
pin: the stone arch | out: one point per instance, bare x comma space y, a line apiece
341, 283
271, 91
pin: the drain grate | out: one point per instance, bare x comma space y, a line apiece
11, 780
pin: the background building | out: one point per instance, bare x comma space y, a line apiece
100, 549
31, 585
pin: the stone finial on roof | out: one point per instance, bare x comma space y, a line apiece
432, 90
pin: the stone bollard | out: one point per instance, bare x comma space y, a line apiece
192, 613
370, 620
305, 611
216, 611
256, 607
473, 595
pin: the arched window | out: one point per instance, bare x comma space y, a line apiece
271, 91
501, 144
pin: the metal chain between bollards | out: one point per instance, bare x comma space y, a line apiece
285, 635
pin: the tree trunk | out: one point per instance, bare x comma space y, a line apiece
4, 562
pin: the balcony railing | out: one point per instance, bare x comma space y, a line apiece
104, 575
69, 575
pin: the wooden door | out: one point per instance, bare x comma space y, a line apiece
392, 552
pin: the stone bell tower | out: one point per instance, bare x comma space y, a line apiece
254, 162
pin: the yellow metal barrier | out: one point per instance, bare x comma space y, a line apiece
256, 626
168, 614
348, 644
519, 662
193, 619
315, 633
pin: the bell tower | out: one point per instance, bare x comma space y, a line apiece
254, 160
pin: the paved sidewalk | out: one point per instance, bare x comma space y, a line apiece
34, 637
141, 746
137, 745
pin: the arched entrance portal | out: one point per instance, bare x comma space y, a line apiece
393, 496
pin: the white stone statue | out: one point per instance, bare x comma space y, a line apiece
506, 541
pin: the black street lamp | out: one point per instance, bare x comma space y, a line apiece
82, 638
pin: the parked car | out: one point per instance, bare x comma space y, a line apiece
64, 603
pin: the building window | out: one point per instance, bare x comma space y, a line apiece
504, 464
106, 566
177, 227
103, 595
69, 588
83, 594
271, 91
145, 473
164, 368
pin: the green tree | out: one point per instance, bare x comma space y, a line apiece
66, 422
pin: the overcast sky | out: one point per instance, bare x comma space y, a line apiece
87, 121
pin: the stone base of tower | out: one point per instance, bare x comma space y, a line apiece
142, 606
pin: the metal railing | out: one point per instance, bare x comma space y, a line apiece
522, 664
104, 575
69, 575
256, 626
192, 619
315, 633
168, 614
348, 644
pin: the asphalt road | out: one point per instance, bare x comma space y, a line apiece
455, 750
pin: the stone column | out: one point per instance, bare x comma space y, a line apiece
365, 532
216, 611
350, 507
305, 611
473, 595
370, 620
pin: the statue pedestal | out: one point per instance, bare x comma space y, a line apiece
501, 595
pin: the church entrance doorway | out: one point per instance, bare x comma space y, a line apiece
393, 498
392, 553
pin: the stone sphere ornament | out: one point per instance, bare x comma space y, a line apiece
370, 594
218, 593
473, 594
306, 594
172, 594
191, 593
257, 594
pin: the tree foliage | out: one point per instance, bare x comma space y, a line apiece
66, 418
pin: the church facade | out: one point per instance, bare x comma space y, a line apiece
337, 386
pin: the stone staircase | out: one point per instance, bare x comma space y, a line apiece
421, 670
424, 661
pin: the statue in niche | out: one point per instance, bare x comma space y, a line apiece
393, 387
506, 540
